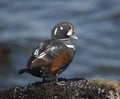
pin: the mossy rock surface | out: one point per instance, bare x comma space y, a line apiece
113, 85
66, 89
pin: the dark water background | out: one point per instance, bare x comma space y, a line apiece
25, 23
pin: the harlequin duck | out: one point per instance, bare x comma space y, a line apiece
53, 56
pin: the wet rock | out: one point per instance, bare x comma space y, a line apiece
66, 89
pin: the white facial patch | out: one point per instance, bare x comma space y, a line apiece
61, 28
55, 31
70, 32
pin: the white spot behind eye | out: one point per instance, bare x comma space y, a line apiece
40, 71
55, 31
70, 32
61, 28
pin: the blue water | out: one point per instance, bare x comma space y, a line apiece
25, 23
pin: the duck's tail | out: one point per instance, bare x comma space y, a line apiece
21, 71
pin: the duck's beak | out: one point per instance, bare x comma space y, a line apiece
74, 36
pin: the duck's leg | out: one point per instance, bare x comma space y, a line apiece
57, 82
56, 78
43, 80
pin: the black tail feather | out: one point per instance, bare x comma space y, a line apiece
21, 71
